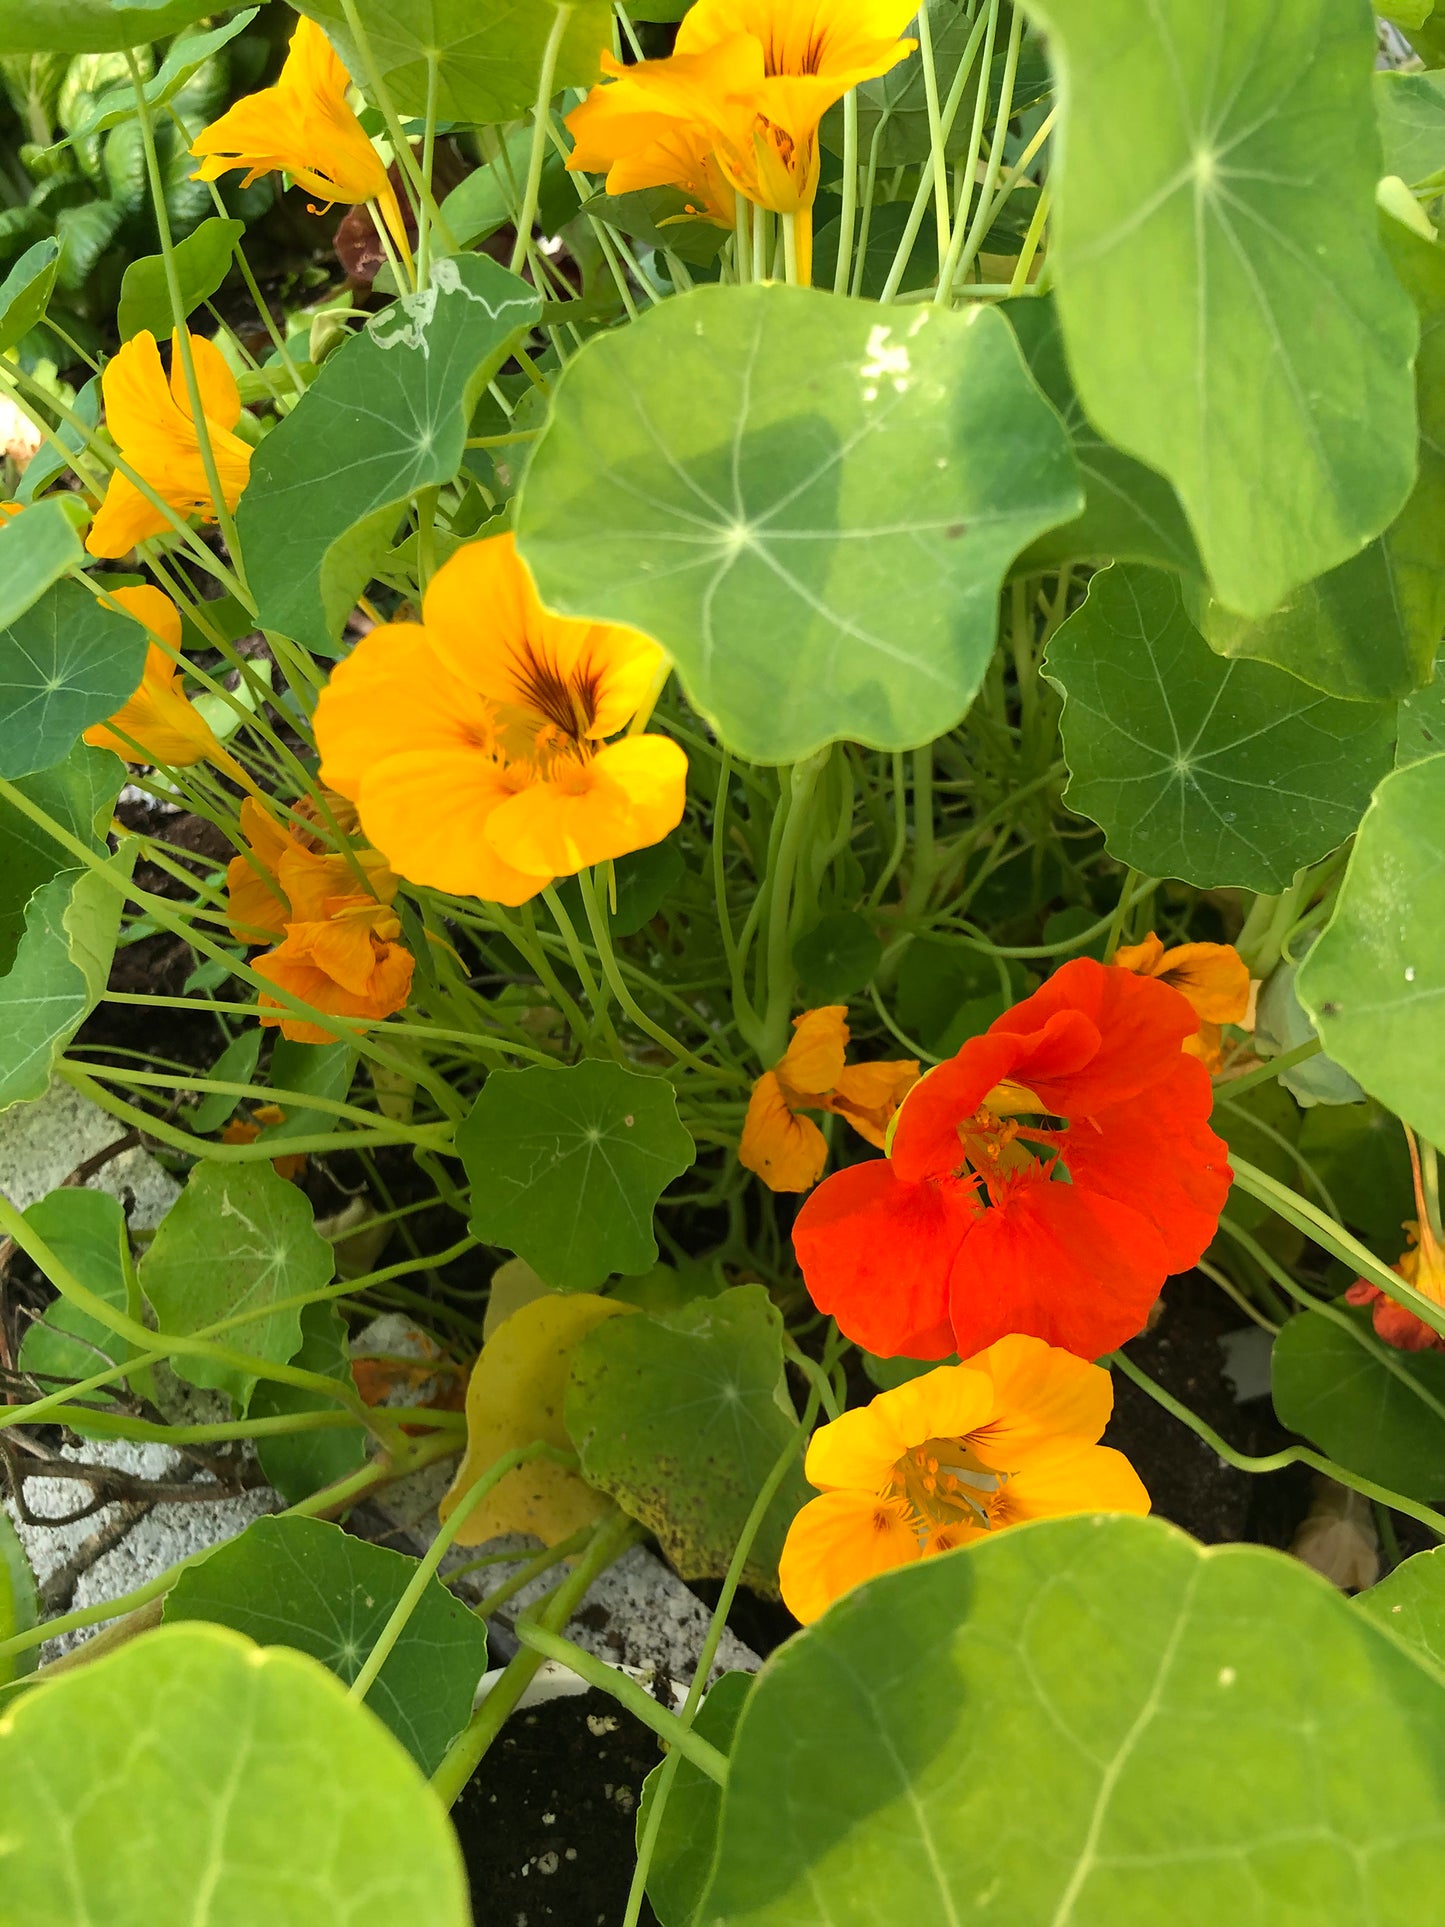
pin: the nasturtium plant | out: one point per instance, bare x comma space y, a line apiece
722, 765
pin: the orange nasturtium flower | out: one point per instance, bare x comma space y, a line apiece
474, 743
1213, 976
338, 945
787, 1151
303, 127
150, 420
157, 724
1421, 1264
753, 78
1010, 1434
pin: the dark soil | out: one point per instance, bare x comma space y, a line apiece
547, 1826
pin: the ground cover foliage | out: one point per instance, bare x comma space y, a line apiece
765, 746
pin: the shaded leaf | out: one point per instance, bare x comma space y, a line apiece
79, 794
86, 1230
681, 1419
300, 1463
1412, 124
1361, 1408
190, 1751
1211, 771
19, 1602
305, 1584
566, 1166
809, 502
687, 1836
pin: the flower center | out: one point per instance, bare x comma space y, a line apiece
998, 1139
554, 714
945, 1486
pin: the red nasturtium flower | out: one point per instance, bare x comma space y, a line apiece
1421, 1264
1010, 1434
336, 939
474, 743
1213, 976
1046, 1180
787, 1151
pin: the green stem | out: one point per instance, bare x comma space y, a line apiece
1271, 1068
964, 250
602, 938
848, 217
527, 213
781, 974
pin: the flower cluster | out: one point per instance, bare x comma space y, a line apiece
474, 744
328, 915
735, 109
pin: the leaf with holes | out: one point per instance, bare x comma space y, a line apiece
809, 502
1086, 1722
681, 1419
487, 53
1211, 771
1379, 1411
66, 662
566, 1166
309, 1585
1231, 318
386, 416
236, 1240
204, 1779
1374, 983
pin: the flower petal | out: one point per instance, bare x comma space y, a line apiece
1040, 1395
856, 1452
154, 610
393, 693
1141, 1025
835, 1543
813, 1061
124, 518
1070, 1478
220, 397
627, 797
788, 1153
868, 1095
428, 810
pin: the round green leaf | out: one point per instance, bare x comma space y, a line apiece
1410, 1603
809, 502
192, 1777
1365, 1405
1374, 983
1231, 318
1422, 722
237, 1239
65, 663
90, 26
1210, 771
386, 416
309, 1585
681, 1419
837, 957
1087, 1722
566, 1166
487, 53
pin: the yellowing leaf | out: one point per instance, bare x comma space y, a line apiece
515, 1396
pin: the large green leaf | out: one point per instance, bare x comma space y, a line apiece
303, 1583
386, 416
1412, 124
1212, 771
237, 1239
36, 549
183, 59
202, 262
1231, 318
300, 1463
86, 1231
79, 794
1087, 1723
25, 291
567, 1165
810, 502
687, 1835
1422, 721
65, 663
1131, 514
90, 26
1410, 1601
681, 1418
1368, 630
1374, 983
488, 53
1363, 1409
191, 1777
59, 972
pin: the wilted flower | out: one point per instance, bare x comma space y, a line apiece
1213, 976
788, 1151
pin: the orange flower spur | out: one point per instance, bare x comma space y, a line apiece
304, 127
952, 1456
474, 744
787, 1151
1045, 1180
1213, 976
150, 421
157, 724
758, 77
336, 935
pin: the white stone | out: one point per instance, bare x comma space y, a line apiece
42, 1142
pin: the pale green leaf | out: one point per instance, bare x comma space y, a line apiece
1410, 1603
86, 1230
90, 26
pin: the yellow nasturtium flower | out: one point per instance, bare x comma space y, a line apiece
151, 423
157, 724
304, 127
